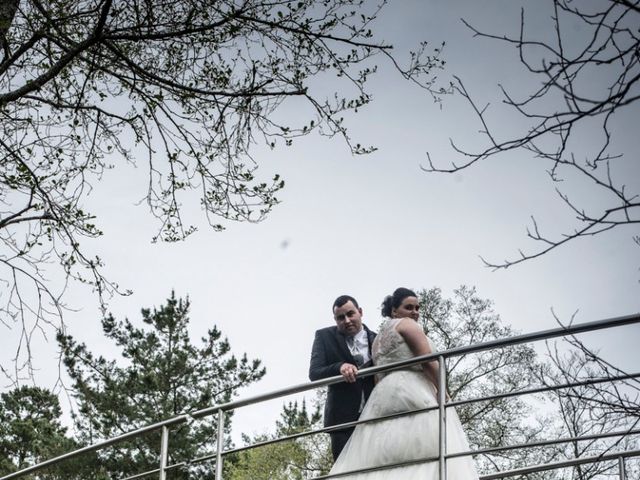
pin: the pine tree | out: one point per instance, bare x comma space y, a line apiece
164, 375
31, 431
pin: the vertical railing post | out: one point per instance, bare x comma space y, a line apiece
164, 452
621, 469
219, 444
442, 418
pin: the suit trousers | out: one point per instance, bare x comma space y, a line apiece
339, 439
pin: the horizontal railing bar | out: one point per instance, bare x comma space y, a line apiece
562, 464
194, 461
548, 388
543, 443
156, 470
97, 446
304, 434
413, 412
380, 467
497, 475
453, 403
457, 351
143, 474
453, 352
332, 428
545, 334
283, 439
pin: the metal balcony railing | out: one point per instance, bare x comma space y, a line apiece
221, 411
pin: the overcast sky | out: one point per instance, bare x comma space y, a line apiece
365, 225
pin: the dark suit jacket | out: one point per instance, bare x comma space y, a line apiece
328, 354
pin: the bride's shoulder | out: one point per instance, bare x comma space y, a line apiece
406, 324
388, 325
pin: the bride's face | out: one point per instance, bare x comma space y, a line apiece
409, 308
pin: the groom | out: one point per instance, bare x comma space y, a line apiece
341, 350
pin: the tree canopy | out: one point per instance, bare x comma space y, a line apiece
181, 89
295, 459
31, 431
163, 375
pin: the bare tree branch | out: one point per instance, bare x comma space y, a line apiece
564, 107
191, 87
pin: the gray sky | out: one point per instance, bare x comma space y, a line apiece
368, 224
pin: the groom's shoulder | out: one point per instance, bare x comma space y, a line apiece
369, 331
327, 330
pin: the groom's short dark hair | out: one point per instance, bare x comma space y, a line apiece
342, 299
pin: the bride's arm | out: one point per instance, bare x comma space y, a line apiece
419, 345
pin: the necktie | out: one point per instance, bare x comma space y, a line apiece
353, 349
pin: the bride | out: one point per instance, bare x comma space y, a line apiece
411, 437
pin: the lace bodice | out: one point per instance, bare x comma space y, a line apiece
389, 346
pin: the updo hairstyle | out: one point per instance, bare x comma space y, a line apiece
395, 300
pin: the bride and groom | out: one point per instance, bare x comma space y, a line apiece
348, 346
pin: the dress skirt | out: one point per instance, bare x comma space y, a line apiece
408, 438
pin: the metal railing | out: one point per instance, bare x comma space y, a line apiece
221, 410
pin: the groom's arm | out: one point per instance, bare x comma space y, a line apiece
319, 367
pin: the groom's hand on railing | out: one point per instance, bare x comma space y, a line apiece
348, 372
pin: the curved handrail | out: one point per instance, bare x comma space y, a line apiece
232, 405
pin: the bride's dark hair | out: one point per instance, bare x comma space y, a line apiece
395, 300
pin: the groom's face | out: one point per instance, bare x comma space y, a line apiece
348, 318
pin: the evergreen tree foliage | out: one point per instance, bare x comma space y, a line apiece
297, 459
31, 431
163, 375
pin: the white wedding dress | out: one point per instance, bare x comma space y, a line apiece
407, 438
